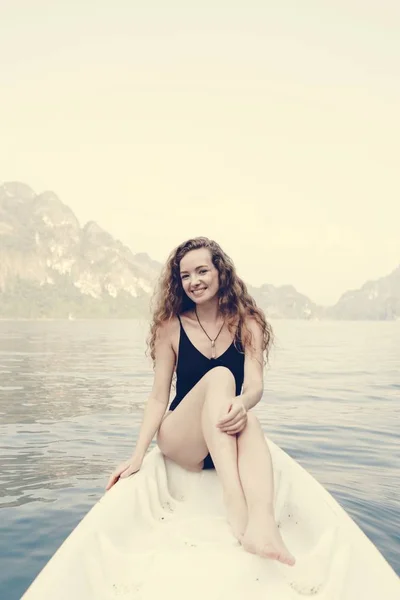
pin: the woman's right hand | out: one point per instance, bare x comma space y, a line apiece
124, 470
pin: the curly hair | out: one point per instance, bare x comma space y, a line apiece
235, 303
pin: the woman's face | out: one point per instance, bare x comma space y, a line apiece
198, 275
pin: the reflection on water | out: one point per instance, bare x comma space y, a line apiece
71, 402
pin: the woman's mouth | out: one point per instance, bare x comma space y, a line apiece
198, 292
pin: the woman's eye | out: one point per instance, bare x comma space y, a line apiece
202, 271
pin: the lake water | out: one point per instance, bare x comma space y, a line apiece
71, 400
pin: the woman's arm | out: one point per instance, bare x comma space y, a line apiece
159, 397
253, 384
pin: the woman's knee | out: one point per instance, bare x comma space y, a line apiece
219, 394
220, 375
220, 386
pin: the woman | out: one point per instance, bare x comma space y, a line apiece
207, 324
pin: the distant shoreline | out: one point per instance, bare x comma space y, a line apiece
273, 318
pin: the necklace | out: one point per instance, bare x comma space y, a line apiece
213, 353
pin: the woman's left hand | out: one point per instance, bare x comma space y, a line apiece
235, 420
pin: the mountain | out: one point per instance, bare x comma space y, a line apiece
375, 300
284, 302
51, 267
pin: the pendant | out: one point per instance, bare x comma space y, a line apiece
212, 348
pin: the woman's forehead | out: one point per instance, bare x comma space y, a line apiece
194, 258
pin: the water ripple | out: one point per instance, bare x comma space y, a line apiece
71, 402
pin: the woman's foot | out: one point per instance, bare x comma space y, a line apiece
263, 537
236, 509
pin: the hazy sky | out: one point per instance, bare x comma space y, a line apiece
272, 127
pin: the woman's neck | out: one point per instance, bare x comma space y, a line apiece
208, 312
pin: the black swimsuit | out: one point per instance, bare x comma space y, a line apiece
192, 365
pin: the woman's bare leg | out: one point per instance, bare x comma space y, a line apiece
224, 452
262, 535
190, 431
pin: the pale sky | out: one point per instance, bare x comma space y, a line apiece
271, 127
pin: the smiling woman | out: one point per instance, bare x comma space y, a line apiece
208, 329
203, 276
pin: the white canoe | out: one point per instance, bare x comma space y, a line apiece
162, 534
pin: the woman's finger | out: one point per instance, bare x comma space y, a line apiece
115, 476
232, 422
235, 431
128, 472
228, 416
111, 481
236, 427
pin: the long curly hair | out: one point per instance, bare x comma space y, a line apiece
235, 303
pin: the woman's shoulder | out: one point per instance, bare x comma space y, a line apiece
253, 325
187, 315
169, 330
169, 325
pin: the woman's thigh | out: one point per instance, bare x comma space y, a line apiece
180, 436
